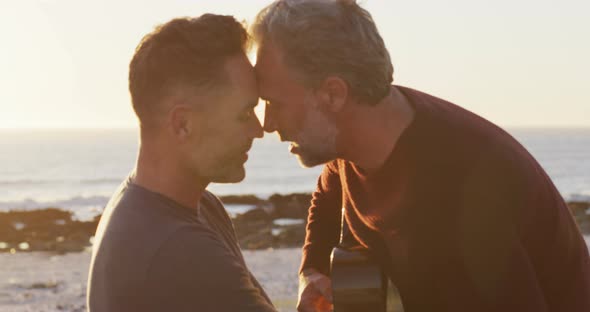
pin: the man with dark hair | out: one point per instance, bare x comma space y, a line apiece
164, 243
460, 216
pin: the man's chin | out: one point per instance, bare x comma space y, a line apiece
309, 162
235, 176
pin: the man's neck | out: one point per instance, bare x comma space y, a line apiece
160, 174
370, 133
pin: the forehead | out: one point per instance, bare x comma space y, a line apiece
271, 72
239, 93
241, 73
268, 61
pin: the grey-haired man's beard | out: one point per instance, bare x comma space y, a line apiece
308, 159
317, 140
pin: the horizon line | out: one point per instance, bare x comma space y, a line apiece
136, 127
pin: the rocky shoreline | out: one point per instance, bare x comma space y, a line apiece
273, 223
277, 222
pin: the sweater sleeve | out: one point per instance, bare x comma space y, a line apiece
323, 223
194, 271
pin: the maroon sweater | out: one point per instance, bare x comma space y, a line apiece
461, 217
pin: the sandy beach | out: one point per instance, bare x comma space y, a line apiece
44, 282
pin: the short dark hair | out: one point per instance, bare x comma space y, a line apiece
184, 52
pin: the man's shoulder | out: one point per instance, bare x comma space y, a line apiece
132, 209
124, 263
212, 200
215, 207
457, 129
333, 166
191, 240
136, 223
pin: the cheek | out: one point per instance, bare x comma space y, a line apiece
292, 119
227, 144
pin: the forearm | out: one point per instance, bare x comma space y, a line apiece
323, 222
323, 232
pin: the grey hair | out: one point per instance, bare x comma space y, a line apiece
320, 38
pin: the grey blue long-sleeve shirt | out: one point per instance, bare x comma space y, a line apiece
152, 254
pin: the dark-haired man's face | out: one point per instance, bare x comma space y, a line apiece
218, 150
292, 110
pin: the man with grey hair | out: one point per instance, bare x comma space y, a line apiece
460, 216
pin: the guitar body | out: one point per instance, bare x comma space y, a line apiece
359, 285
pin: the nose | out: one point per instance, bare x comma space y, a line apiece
256, 129
269, 121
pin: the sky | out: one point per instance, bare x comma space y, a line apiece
518, 63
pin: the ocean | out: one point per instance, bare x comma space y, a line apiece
78, 170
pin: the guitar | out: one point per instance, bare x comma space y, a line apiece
358, 283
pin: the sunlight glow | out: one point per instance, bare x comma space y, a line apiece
64, 62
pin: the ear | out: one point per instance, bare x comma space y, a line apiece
333, 92
181, 123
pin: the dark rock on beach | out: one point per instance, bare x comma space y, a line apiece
274, 223
256, 229
241, 199
290, 206
581, 212
56, 230
48, 229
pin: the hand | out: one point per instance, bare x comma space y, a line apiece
315, 292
